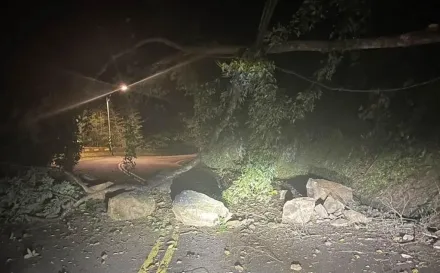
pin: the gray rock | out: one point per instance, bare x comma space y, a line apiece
197, 209
356, 217
321, 189
296, 266
332, 205
130, 205
283, 194
340, 223
436, 245
234, 224
298, 210
408, 238
321, 212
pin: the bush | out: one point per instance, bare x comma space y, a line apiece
255, 183
35, 194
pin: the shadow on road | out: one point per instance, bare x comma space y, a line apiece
197, 179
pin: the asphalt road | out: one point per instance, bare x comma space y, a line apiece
106, 168
91, 242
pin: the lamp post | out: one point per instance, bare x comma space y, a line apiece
122, 88
107, 100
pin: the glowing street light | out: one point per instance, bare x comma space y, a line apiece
123, 87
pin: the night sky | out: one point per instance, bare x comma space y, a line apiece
79, 37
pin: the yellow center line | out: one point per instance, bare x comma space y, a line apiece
163, 266
149, 262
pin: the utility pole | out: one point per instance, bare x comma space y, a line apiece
107, 99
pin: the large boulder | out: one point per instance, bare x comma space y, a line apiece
321, 189
197, 209
298, 211
130, 205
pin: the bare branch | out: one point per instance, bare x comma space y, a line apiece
405, 40
136, 46
291, 72
410, 39
72, 178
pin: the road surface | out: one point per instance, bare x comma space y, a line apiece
107, 168
91, 242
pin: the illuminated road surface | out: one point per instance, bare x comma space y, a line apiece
106, 168
91, 242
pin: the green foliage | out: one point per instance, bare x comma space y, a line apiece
93, 128
267, 110
348, 19
67, 145
157, 141
133, 137
255, 183
35, 194
226, 155
209, 100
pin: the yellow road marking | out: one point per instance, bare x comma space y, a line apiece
163, 266
149, 262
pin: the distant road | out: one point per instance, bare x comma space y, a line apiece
106, 168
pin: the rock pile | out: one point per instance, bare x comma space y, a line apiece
326, 200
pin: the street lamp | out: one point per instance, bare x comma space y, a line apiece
107, 100
122, 87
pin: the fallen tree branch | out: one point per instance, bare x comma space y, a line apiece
97, 192
410, 39
100, 195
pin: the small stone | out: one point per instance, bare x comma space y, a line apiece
408, 238
436, 245
296, 266
340, 223
233, 224
406, 256
283, 194
179, 261
328, 243
252, 227
227, 252
238, 267
104, 255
